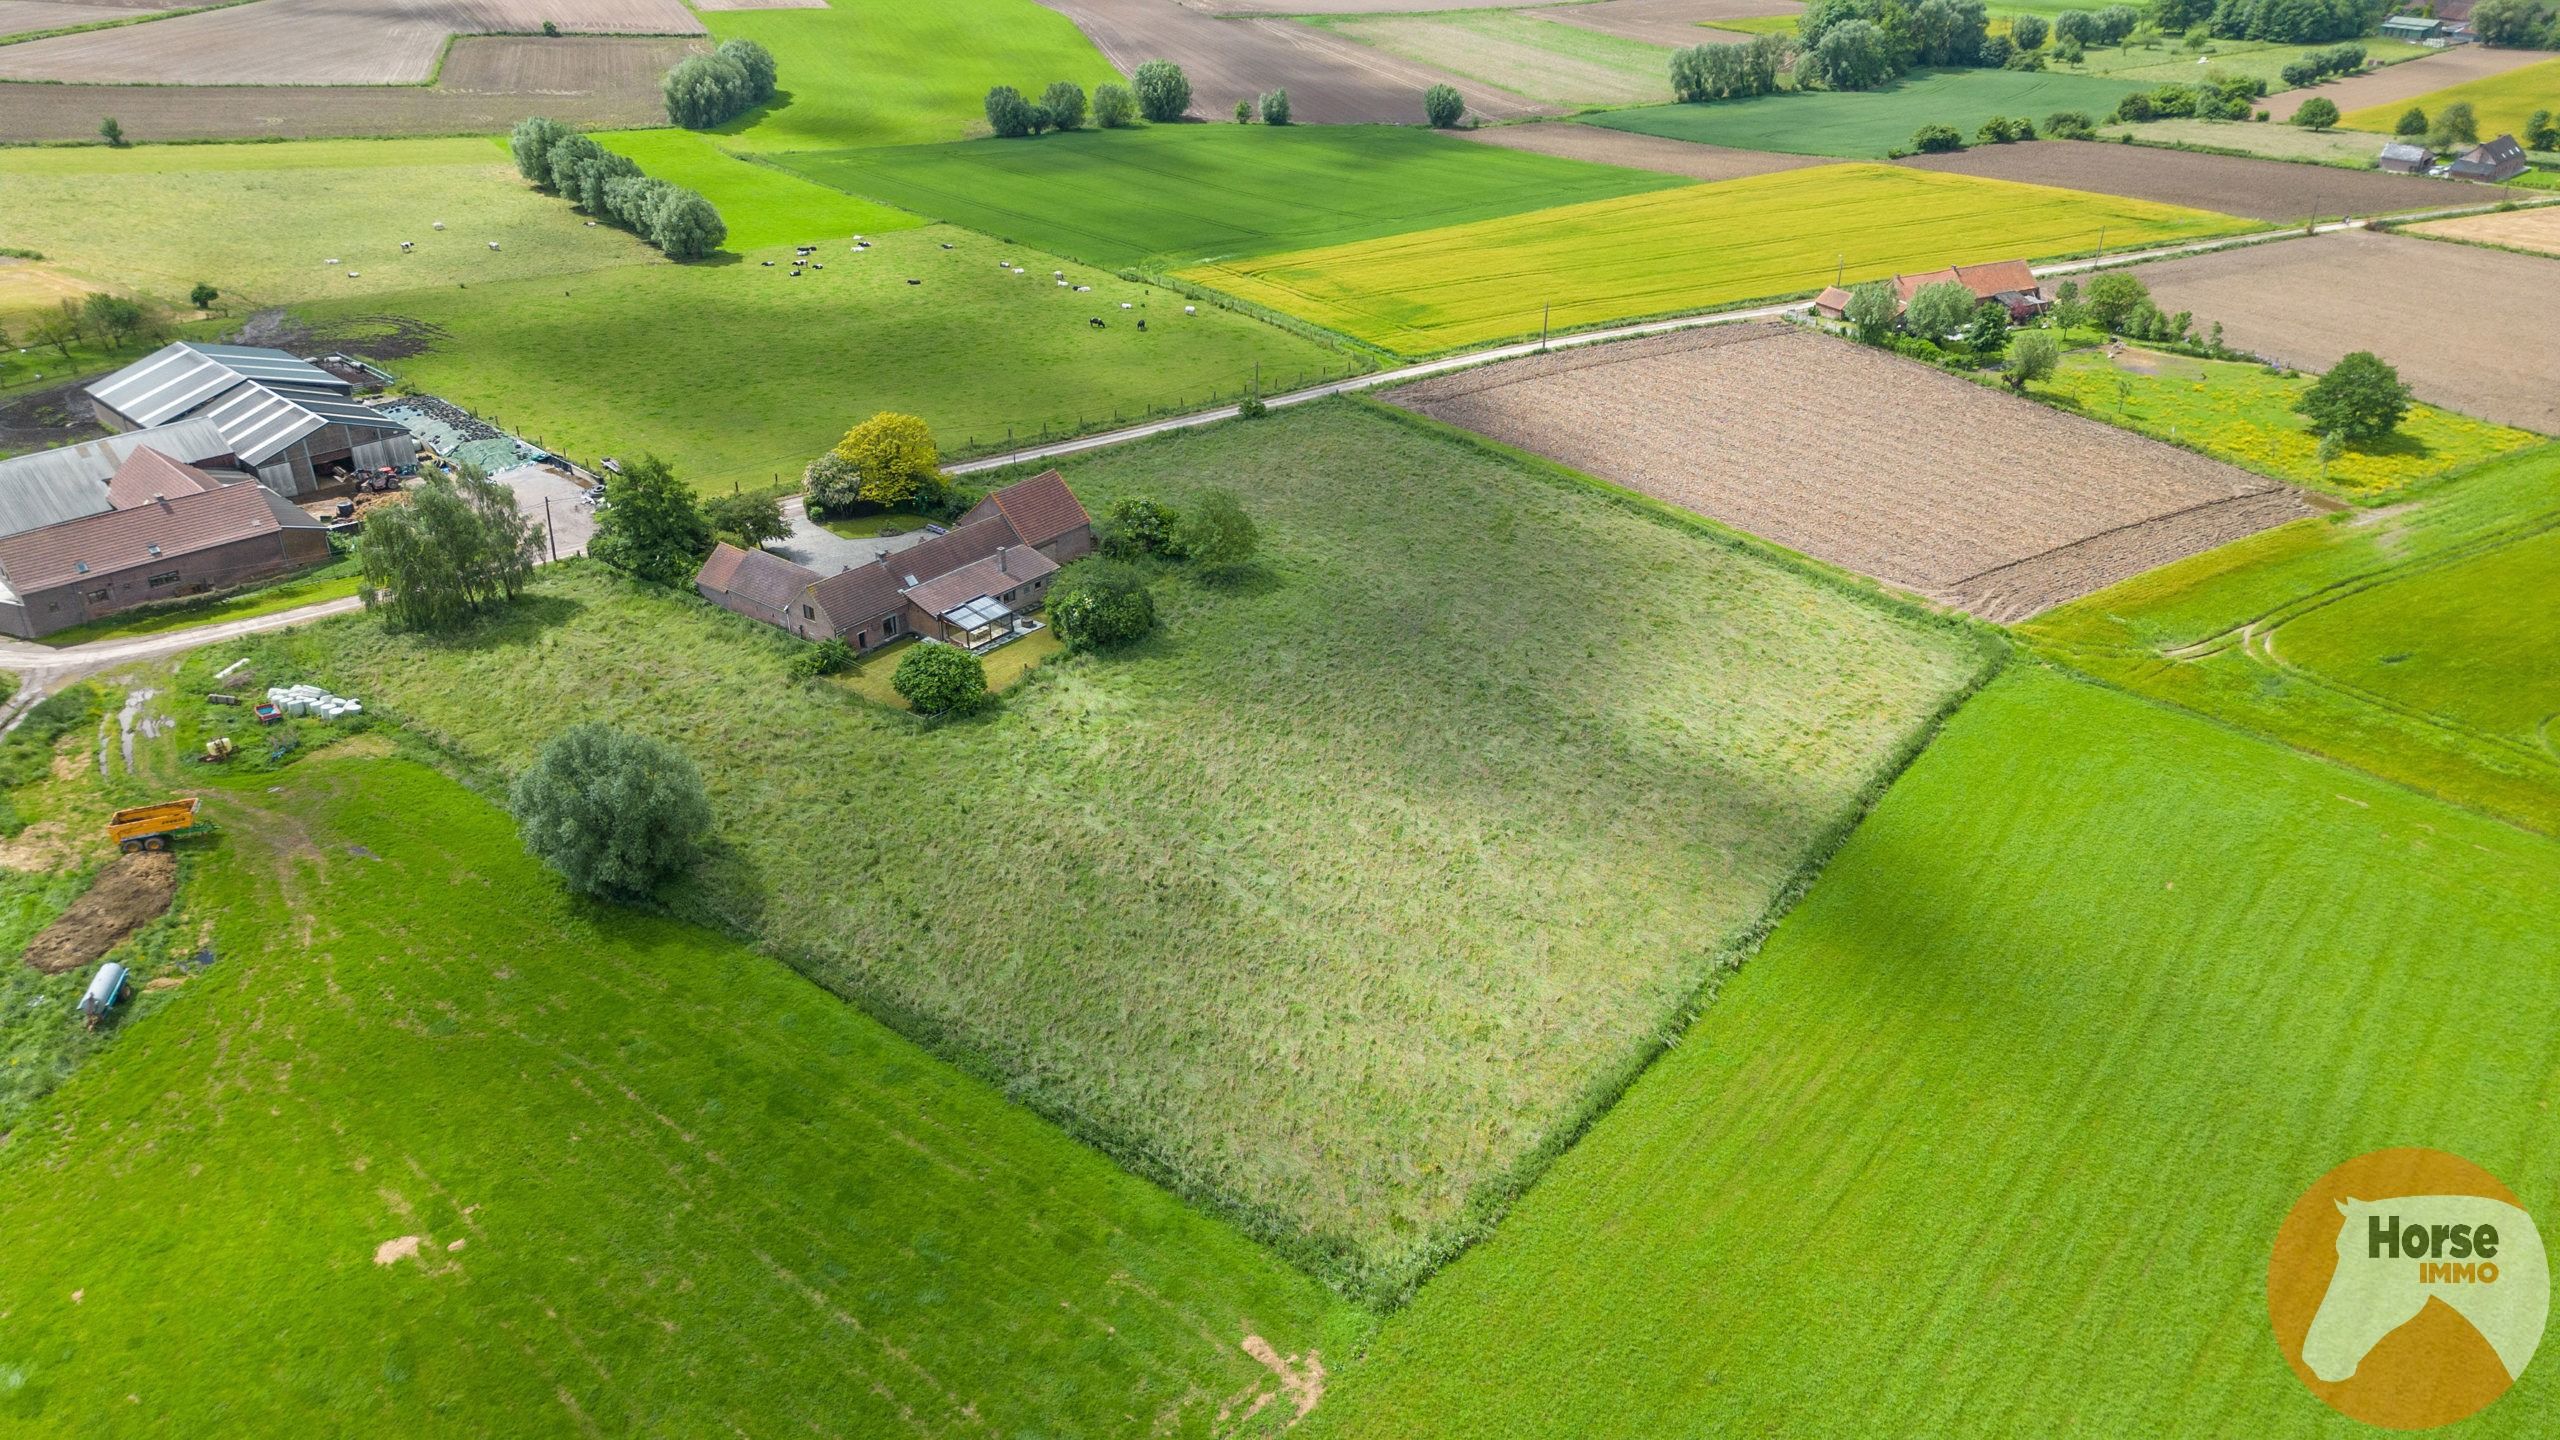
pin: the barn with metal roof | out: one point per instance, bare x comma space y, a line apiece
297, 426
52, 486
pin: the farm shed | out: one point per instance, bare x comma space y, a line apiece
165, 530
756, 583
2499, 159
2412, 29
2011, 282
51, 486
2403, 159
296, 425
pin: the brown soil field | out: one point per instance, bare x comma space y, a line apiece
2408, 79
2537, 229
1975, 499
25, 17
1640, 152
2230, 184
489, 83
1670, 22
2474, 337
1527, 59
317, 42
759, 4
1331, 80
127, 895
1354, 7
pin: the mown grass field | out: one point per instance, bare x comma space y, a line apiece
1337, 903
257, 221
1526, 54
1691, 248
2415, 641
763, 206
2093, 965
737, 373
1172, 195
1866, 124
893, 72
2500, 102
2244, 414
636, 1178
2347, 150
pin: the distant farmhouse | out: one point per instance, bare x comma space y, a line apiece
2402, 158
88, 530
2011, 282
297, 427
2496, 160
971, 586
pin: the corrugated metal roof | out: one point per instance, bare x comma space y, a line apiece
262, 420
181, 375
102, 545
52, 486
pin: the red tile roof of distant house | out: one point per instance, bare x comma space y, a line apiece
115, 540
147, 475
2000, 277
1040, 509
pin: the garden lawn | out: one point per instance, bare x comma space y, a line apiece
896, 72
2244, 414
762, 205
2097, 977
1691, 248
258, 221
1867, 124
874, 679
1339, 902
433, 1149
2500, 102
737, 373
2416, 641
1172, 195
1529, 55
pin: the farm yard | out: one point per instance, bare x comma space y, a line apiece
2230, 184
2473, 339
2502, 92
1245, 840
2537, 230
1866, 124
1690, 248
1175, 195
1866, 461
2412, 641
1897, 1175
317, 42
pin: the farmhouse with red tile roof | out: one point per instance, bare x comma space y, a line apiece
2011, 282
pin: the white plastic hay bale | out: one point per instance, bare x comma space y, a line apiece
296, 705
1190, 309
1125, 305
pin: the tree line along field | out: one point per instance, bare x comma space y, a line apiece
2501, 102
1690, 248
1175, 195
2415, 641
1866, 124
436, 1149
1907, 1174
1333, 905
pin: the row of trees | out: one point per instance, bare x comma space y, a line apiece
109, 322
2218, 97
2517, 24
2454, 127
2319, 65
609, 186
1726, 72
458, 546
707, 90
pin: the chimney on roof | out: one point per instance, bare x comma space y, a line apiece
1001, 568
159, 499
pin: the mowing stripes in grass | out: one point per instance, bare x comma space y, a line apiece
1690, 248
763, 206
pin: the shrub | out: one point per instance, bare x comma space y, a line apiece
2113, 297
652, 527
1136, 525
2004, 130
1098, 603
1725, 72
2033, 356
1163, 91
1940, 310
1275, 107
111, 132
1443, 106
1064, 100
1244, 112
1009, 114
833, 484
2133, 109
2455, 127
2360, 398
942, 679
613, 813
2413, 124
1987, 333
2300, 73
895, 456
2025, 60
2028, 32
2540, 133
2317, 113
830, 656
746, 521
1114, 108
1872, 310
1214, 532
1936, 139
2067, 50
2069, 125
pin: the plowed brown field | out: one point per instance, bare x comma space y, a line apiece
318, 42
2231, 184
1985, 502
1640, 152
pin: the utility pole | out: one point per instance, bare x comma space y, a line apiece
2102, 239
1545, 312
547, 530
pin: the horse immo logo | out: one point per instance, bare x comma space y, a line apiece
2408, 1288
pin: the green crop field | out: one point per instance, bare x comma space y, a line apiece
2346, 150
2416, 641
764, 206
1867, 124
1689, 248
895, 72
2244, 414
2257, 59
1527, 54
2501, 103
1992, 1136
738, 373
433, 1149
1337, 903
1172, 195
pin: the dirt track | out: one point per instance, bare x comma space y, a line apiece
317, 42
1330, 80
2230, 184
2409, 78
1992, 504
2475, 336
488, 84
1640, 152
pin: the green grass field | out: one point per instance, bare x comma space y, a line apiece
2244, 414
2414, 641
894, 72
1867, 124
738, 373
257, 221
2500, 102
2256, 59
1690, 248
763, 205
1525, 54
2345, 149
1336, 903
657, 1183
1994, 1134
1173, 195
